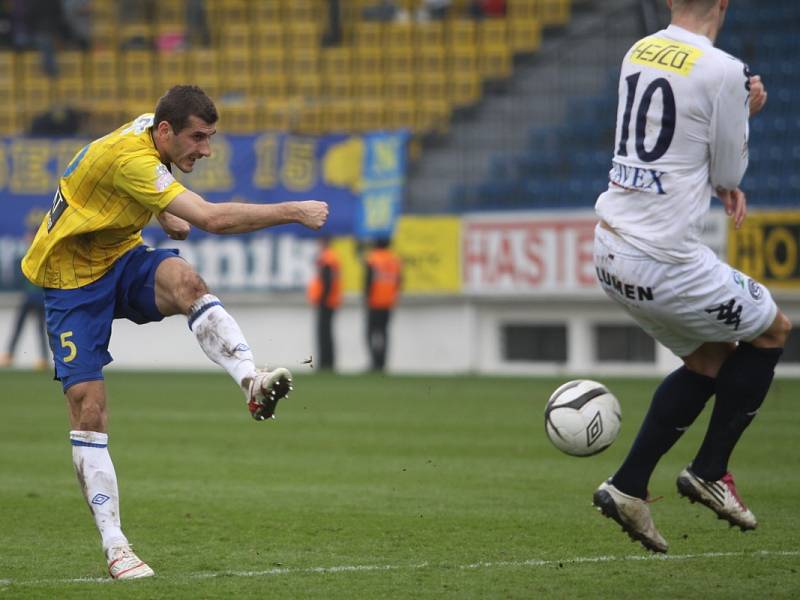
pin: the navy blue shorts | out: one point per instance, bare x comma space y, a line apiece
79, 320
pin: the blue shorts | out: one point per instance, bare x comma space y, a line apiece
79, 320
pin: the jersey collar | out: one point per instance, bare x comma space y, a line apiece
688, 36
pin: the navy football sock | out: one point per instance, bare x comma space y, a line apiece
742, 384
677, 402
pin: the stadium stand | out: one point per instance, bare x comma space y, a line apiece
565, 163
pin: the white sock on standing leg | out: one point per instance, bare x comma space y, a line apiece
98, 482
221, 338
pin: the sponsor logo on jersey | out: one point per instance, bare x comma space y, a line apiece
636, 178
728, 312
163, 178
667, 55
755, 289
738, 279
631, 291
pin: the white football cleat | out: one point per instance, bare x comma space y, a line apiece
265, 389
124, 564
720, 496
632, 513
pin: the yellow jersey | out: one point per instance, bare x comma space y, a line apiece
107, 194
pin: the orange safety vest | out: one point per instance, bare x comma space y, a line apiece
386, 271
327, 258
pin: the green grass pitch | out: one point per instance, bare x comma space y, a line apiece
376, 487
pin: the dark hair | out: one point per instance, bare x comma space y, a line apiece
181, 102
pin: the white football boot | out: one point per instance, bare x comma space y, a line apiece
265, 389
124, 564
720, 496
632, 513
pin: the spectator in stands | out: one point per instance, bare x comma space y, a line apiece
333, 33
488, 8
77, 20
433, 10
325, 294
32, 304
384, 10
197, 24
384, 280
724, 326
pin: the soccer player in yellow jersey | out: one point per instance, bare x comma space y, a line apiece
89, 257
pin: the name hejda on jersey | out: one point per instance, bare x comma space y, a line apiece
637, 178
628, 290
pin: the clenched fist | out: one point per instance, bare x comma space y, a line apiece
313, 213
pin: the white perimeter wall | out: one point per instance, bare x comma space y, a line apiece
456, 334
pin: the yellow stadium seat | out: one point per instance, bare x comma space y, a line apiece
336, 61
106, 115
401, 114
238, 117
270, 86
133, 108
10, 122
368, 115
235, 37
105, 88
464, 59
369, 34
235, 75
271, 61
465, 89
493, 32
433, 116
554, 12
304, 35
266, 11
432, 59
70, 63
400, 86
338, 116
303, 62
135, 35
433, 86
140, 90
368, 61
430, 33
103, 64
171, 69
399, 34
461, 33
8, 93
337, 85
526, 35
308, 87
310, 119
268, 34
202, 62
37, 94
137, 64
29, 65
400, 60
70, 90
233, 12
368, 87
301, 10
496, 62
276, 115
171, 12
7, 63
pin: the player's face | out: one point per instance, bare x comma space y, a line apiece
190, 144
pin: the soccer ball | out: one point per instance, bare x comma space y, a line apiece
582, 417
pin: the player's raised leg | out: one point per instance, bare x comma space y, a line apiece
180, 290
98, 480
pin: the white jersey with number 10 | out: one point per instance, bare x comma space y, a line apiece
682, 128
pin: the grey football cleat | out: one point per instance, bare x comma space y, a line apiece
632, 513
124, 564
720, 496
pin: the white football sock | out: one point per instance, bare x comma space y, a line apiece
221, 338
98, 481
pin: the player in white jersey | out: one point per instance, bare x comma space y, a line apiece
682, 132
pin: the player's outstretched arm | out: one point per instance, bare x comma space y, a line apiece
238, 217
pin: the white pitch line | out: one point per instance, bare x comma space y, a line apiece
533, 562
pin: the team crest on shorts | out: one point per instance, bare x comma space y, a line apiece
755, 289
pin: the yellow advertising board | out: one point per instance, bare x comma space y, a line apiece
767, 248
429, 247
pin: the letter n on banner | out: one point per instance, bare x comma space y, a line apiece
383, 179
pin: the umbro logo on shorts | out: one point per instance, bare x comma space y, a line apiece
729, 313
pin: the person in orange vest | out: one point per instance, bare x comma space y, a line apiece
384, 277
325, 293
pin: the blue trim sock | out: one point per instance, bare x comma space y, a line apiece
742, 384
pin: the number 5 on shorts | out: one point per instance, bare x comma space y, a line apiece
72, 349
